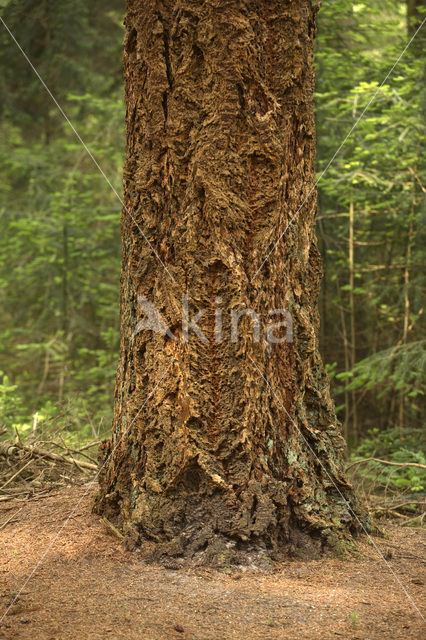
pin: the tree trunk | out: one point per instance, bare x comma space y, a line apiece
354, 409
205, 459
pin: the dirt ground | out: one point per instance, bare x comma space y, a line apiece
89, 586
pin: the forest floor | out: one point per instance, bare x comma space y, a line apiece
89, 587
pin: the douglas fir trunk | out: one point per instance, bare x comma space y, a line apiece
223, 443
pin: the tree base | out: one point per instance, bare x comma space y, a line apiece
202, 521
223, 553
214, 457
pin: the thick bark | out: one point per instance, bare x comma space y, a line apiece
220, 155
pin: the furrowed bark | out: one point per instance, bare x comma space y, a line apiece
220, 156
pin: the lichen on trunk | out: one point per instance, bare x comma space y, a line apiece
205, 460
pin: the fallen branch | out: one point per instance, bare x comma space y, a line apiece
15, 475
389, 512
58, 457
401, 505
12, 496
420, 518
11, 450
388, 462
95, 443
8, 450
68, 450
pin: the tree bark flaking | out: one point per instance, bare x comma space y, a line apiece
220, 156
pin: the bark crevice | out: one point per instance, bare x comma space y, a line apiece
204, 462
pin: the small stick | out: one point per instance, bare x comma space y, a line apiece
90, 444
400, 505
12, 496
10, 518
15, 475
389, 512
68, 450
58, 457
34, 425
85, 455
394, 464
113, 528
421, 518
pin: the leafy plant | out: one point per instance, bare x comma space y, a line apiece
393, 445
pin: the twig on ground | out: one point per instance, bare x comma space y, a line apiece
114, 529
8, 450
419, 517
389, 512
43, 453
388, 462
401, 505
95, 443
10, 519
15, 475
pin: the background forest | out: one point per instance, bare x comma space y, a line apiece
60, 221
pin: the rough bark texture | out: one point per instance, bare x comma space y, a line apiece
220, 155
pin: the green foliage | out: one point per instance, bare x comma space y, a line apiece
60, 242
73, 45
354, 619
59, 264
400, 369
379, 172
10, 403
393, 445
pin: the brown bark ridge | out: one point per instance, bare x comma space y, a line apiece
220, 155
